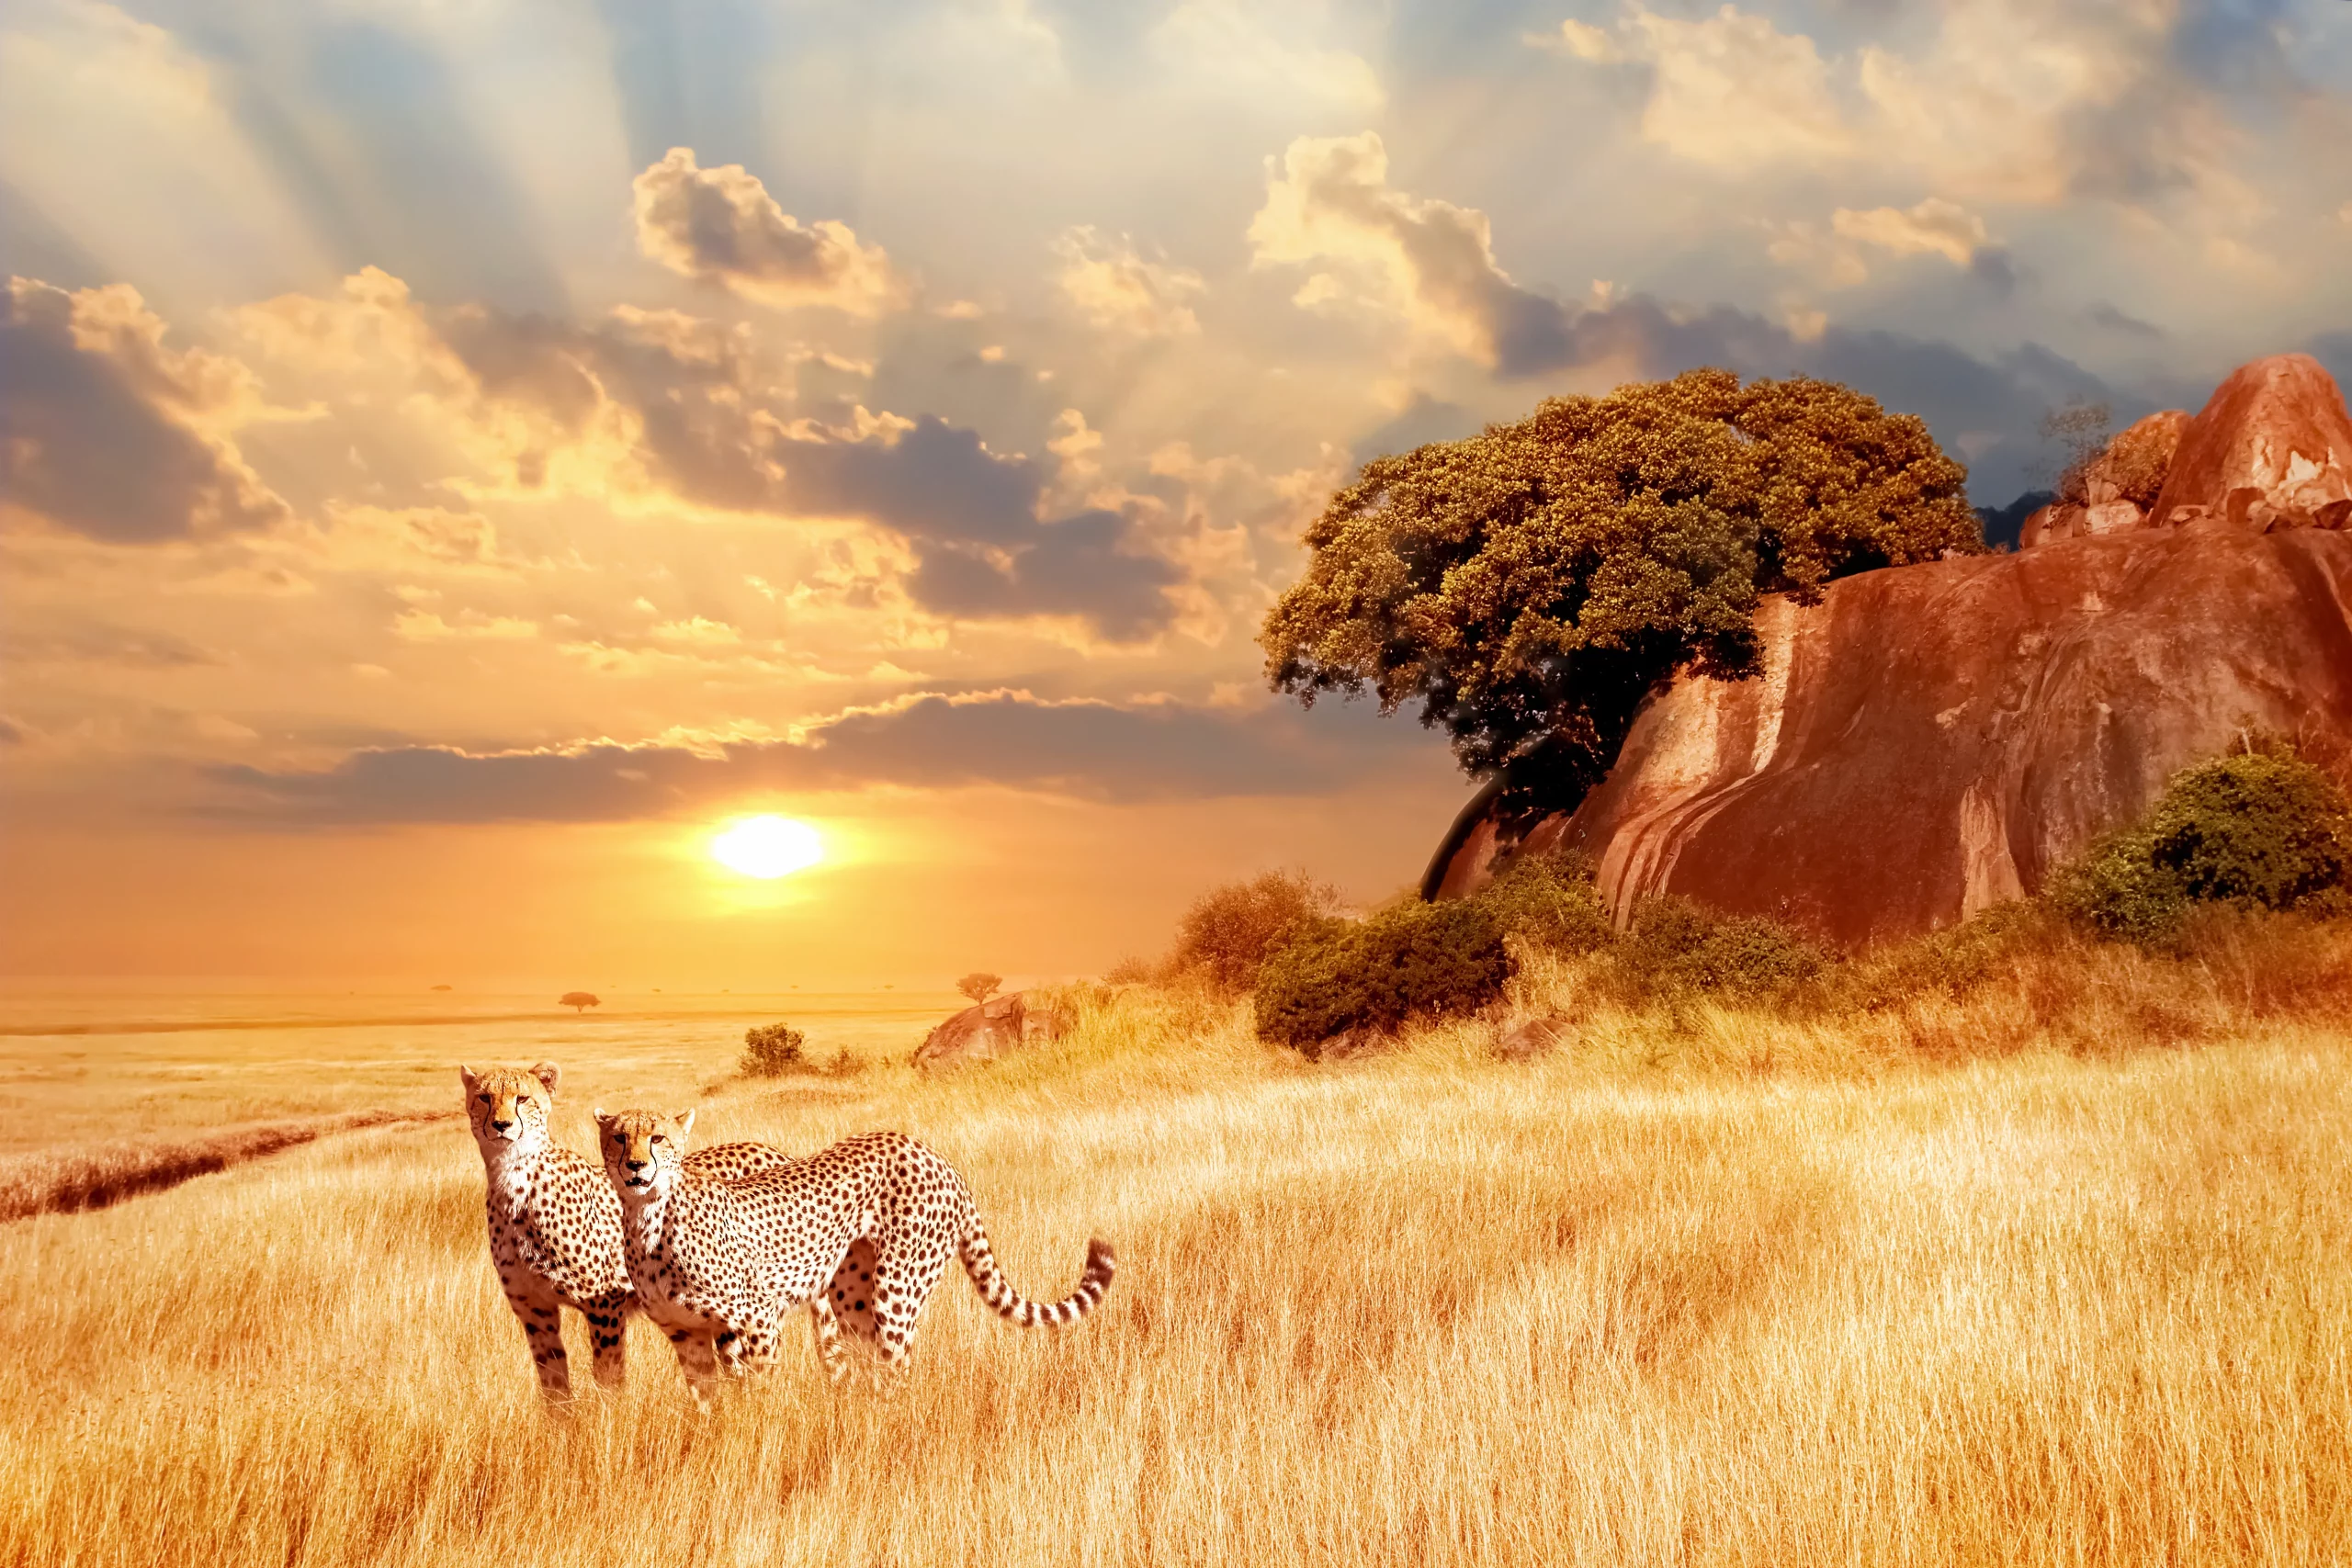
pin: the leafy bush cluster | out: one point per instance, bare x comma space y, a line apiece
1674, 944
772, 1050
2258, 830
1229, 931
1414, 960
1550, 901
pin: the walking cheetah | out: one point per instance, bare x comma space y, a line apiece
719, 1261
555, 1226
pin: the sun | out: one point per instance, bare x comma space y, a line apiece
768, 847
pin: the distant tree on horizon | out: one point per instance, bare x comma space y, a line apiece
578, 1001
979, 985
1529, 586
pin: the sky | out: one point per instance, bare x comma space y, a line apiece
456, 456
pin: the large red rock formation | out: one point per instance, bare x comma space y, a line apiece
1926, 741
2272, 450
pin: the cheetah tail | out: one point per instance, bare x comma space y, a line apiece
1015, 1308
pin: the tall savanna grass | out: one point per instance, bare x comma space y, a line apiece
2052, 1271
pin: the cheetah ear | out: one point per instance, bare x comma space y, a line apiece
686, 1123
602, 1119
467, 1073
548, 1073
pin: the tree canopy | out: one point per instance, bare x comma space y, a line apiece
1530, 585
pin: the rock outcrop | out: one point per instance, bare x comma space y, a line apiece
2271, 449
2119, 486
1926, 741
995, 1028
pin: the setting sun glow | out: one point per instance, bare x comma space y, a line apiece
768, 847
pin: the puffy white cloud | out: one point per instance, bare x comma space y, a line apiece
1328, 205
1933, 227
1117, 289
721, 226
1735, 91
2008, 100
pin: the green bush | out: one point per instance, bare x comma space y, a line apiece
1549, 901
2261, 830
1673, 944
1416, 959
772, 1050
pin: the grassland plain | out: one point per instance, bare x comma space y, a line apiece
2058, 1272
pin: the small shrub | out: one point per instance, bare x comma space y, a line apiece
2260, 831
1416, 959
1673, 944
578, 1001
1229, 931
842, 1066
1550, 902
1130, 972
979, 985
772, 1050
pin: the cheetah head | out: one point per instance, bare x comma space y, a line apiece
509, 1106
643, 1150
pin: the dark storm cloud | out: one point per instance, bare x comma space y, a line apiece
1088, 750
87, 440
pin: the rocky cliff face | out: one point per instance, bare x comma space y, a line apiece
1928, 741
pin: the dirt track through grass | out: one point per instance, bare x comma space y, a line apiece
95, 1176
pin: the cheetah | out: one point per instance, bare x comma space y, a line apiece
555, 1226
719, 1261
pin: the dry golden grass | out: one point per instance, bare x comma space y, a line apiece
1709, 1288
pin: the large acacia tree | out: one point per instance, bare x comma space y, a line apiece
1530, 585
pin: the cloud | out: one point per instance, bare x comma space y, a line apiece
1933, 227
1733, 91
2118, 320
2008, 100
1328, 205
1118, 290
719, 226
96, 642
644, 409
973, 515
107, 432
1088, 749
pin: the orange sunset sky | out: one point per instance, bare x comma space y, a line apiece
454, 458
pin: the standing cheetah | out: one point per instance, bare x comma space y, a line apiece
719, 1261
555, 1226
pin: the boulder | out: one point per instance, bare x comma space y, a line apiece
2119, 486
1926, 740
1525, 1041
2272, 449
995, 1028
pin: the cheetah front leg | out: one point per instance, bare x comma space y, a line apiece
830, 1348
607, 1321
541, 1317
